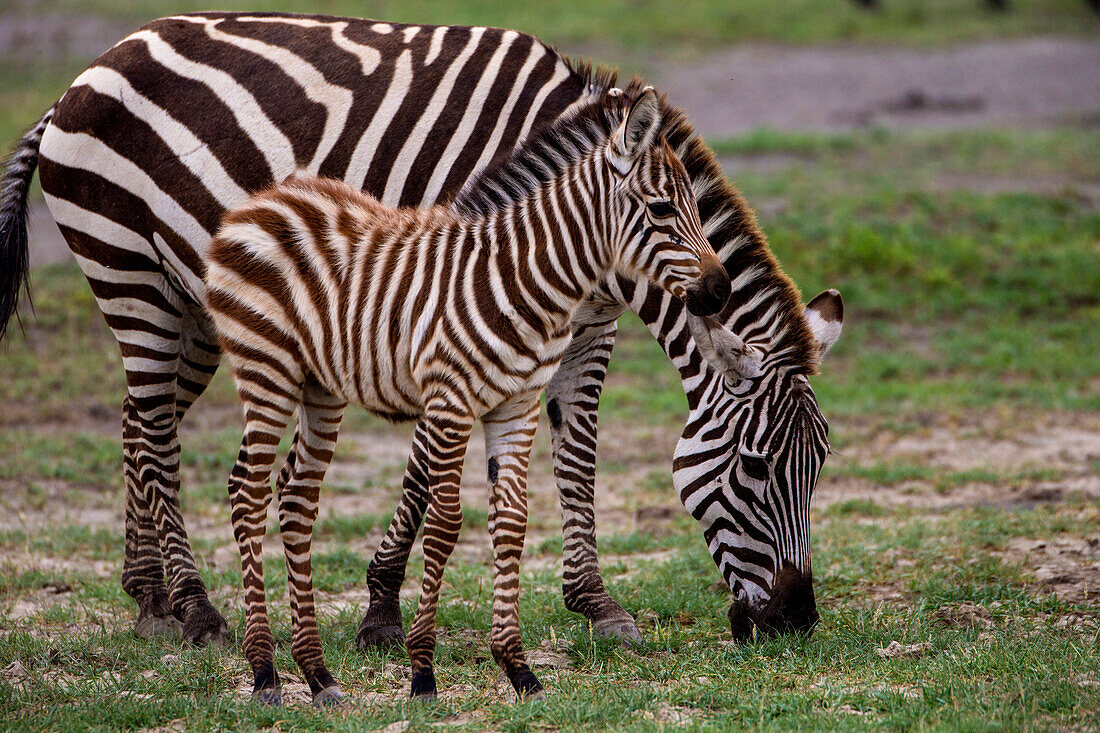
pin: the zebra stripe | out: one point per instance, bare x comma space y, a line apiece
312, 271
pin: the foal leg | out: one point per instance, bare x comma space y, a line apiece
509, 434
439, 446
250, 492
381, 625
299, 488
572, 401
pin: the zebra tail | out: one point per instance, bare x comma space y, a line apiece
15, 181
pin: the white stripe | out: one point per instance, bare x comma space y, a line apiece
473, 111
189, 150
436, 44
84, 152
336, 100
369, 57
70, 215
391, 194
271, 142
367, 146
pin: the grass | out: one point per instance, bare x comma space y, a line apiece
1020, 670
962, 303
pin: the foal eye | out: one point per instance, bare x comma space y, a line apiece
662, 209
755, 467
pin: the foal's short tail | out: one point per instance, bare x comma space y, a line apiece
15, 180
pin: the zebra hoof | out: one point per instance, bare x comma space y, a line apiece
329, 697
205, 627
380, 637
527, 685
271, 697
423, 686
624, 631
149, 626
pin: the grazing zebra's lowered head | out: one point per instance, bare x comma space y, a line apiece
749, 458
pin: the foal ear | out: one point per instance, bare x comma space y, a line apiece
825, 316
723, 349
637, 132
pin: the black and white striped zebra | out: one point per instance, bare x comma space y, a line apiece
184, 118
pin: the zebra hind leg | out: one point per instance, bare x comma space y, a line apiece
381, 625
143, 570
439, 445
572, 400
509, 435
299, 488
143, 567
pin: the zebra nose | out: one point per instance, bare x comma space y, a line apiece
711, 293
793, 608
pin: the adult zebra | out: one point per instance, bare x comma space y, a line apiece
180, 120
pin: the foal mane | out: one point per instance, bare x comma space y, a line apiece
765, 308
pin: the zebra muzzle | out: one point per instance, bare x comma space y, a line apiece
710, 293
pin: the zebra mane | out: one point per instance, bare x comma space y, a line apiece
765, 308
550, 149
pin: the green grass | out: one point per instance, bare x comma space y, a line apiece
958, 302
1022, 671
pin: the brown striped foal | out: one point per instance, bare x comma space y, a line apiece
322, 296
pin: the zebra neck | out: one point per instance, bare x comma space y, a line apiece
557, 241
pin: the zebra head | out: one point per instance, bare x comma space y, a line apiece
661, 238
746, 465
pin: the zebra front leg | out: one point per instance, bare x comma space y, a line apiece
439, 445
381, 625
572, 401
249, 496
299, 488
509, 434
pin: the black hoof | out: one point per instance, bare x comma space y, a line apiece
380, 637
269, 696
149, 626
526, 684
423, 686
329, 697
625, 631
204, 626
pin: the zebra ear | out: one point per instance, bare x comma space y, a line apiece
825, 316
637, 132
723, 349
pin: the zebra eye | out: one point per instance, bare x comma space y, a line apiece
662, 209
755, 467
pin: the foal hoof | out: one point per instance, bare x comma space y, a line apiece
204, 626
149, 626
625, 631
328, 697
380, 637
527, 685
423, 686
270, 696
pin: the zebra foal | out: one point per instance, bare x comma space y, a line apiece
320, 296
